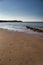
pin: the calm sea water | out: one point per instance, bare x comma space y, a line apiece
21, 26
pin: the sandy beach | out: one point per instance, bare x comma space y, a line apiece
20, 48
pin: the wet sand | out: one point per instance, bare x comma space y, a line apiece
20, 48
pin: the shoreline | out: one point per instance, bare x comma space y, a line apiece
31, 33
20, 48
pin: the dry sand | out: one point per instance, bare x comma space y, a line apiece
20, 48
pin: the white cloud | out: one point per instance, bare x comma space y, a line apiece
7, 17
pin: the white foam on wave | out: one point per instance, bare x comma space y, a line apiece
16, 27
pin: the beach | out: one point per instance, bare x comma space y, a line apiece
17, 48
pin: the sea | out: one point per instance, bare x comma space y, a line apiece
21, 26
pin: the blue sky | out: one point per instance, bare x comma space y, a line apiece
26, 10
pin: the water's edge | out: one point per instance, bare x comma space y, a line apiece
32, 28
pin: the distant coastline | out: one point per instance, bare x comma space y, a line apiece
10, 21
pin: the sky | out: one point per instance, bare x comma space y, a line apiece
25, 10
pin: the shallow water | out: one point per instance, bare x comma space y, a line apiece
21, 26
